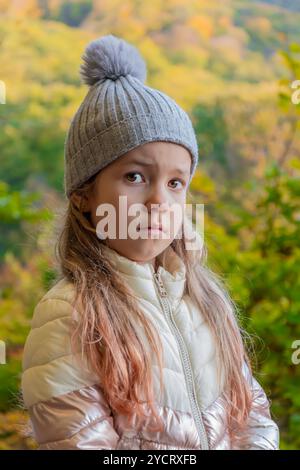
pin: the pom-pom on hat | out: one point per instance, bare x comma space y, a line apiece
119, 112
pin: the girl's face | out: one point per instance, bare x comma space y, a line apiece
156, 173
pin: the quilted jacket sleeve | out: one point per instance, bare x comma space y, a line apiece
261, 433
77, 420
66, 407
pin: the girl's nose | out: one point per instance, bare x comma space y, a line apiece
157, 195
157, 205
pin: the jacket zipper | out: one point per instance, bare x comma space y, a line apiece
185, 359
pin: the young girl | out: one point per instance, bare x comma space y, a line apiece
137, 345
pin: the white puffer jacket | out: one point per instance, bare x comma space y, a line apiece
66, 405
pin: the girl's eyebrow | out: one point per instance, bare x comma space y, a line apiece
139, 162
149, 164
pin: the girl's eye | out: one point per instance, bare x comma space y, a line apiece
181, 182
133, 173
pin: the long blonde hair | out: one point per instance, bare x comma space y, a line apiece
109, 312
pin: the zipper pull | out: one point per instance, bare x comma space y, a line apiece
160, 285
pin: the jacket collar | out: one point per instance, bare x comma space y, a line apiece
140, 276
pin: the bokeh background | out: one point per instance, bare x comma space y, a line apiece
230, 64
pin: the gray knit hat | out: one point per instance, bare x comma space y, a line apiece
119, 112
